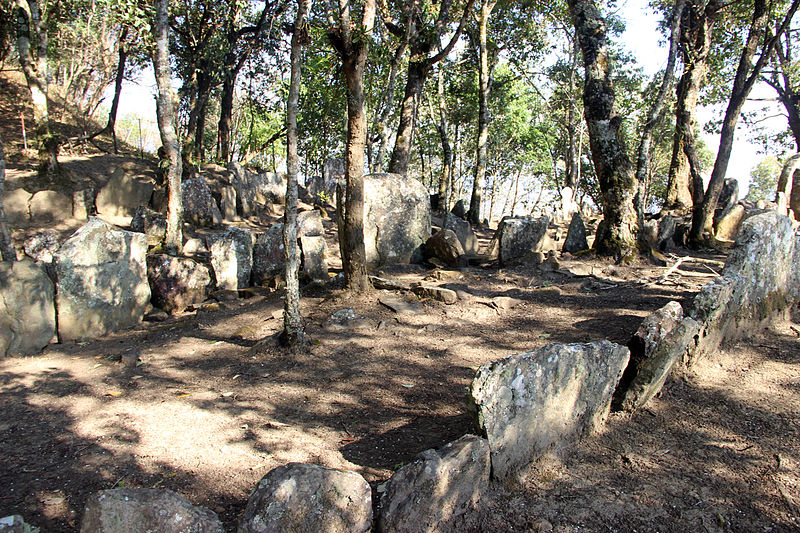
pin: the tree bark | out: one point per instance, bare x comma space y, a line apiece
446, 176
7, 251
746, 75
381, 122
609, 153
293, 334
165, 111
696, 30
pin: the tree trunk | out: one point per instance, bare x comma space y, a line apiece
401, 155
226, 115
204, 82
474, 213
695, 42
445, 178
165, 111
746, 75
609, 153
381, 123
573, 159
7, 251
293, 334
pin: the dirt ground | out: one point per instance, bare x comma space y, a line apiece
196, 405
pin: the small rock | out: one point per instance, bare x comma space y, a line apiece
437, 293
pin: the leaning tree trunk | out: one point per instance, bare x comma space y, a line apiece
609, 153
381, 122
165, 110
293, 334
122, 58
7, 251
445, 178
401, 155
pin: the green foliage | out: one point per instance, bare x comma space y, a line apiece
764, 179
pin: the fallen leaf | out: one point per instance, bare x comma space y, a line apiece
114, 393
96, 365
184, 395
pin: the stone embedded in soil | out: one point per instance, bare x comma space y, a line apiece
101, 284
268, 255
232, 258
27, 308
576, 236
309, 224
15, 205
653, 328
16, 524
308, 498
463, 230
436, 487
136, 510
176, 282
446, 246
528, 403
50, 206
447, 296
520, 237
313, 249
151, 223
199, 207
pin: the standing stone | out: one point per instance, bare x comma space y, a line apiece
665, 237
654, 328
138, 510
176, 282
50, 206
302, 498
268, 260
397, 219
27, 309
527, 403
15, 205
728, 198
576, 236
227, 204
152, 224
444, 245
460, 209
313, 249
102, 281
727, 227
123, 194
83, 204
436, 488
520, 237
322, 188
232, 258
199, 207
309, 223
463, 230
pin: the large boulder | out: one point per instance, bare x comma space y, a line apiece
102, 281
727, 226
463, 230
445, 246
137, 510
303, 498
527, 403
50, 206
313, 249
15, 205
253, 189
309, 223
268, 259
576, 236
199, 207
27, 308
122, 194
437, 488
323, 188
176, 282
232, 258
521, 237
397, 219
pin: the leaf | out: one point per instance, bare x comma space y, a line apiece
184, 395
96, 365
114, 393
544, 336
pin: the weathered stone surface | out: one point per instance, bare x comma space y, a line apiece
27, 308
728, 198
83, 204
759, 283
436, 488
302, 498
199, 207
309, 223
152, 224
253, 189
460, 209
268, 255
313, 249
445, 245
123, 194
727, 227
397, 218
528, 403
323, 188
227, 203
576, 236
176, 282
653, 328
15, 205
442, 294
520, 237
42, 245
653, 371
232, 258
463, 231
389, 284
16, 524
194, 246
102, 281
138, 510
667, 227
50, 206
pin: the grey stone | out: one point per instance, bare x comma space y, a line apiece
652, 372
460, 209
436, 488
302, 498
309, 223
665, 237
389, 284
50, 206
727, 227
445, 246
176, 282
728, 198
42, 245
194, 246
152, 224
138, 510
649, 232
463, 231
342, 316
15, 205
652, 329
123, 194
447, 296
397, 219
16, 524
323, 188
268, 260
399, 305
528, 403
520, 237
253, 189
313, 248
199, 207
83, 204
232, 258
27, 308
102, 281
227, 204
576, 236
